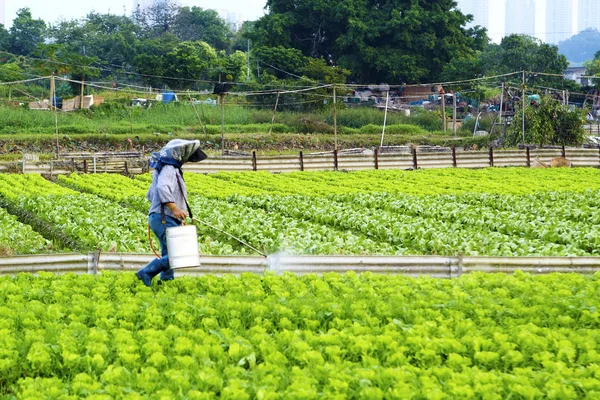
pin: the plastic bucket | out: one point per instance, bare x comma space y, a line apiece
182, 245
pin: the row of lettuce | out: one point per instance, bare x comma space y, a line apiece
503, 212
481, 336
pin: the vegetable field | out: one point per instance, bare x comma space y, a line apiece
351, 336
482, 336
495, 212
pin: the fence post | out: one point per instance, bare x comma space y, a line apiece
376, 154
94, 164
335, 159
301, 162
126, 168
72, 165
454, 156
85, 168
253, 160
491, 156
415, 165
528, 156
23, 164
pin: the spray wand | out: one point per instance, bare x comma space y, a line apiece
230, 235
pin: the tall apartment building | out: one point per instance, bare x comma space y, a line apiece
559, 25
520, 17
589, 15
2, 21
479, 9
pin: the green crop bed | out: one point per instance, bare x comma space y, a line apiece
495, 212
499, 212
481, 336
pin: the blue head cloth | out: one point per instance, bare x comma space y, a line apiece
176, 153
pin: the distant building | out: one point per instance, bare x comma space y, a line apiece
589, 15
479, 9
575, 73
520, 17
233, 20
559, 25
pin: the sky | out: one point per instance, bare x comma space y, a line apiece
52, 11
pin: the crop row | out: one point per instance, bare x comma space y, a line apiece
542, 223
329, 213
481, 336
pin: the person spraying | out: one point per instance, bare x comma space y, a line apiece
168, 200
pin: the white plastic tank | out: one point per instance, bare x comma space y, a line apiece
182, 245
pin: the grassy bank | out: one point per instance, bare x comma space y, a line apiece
116, 118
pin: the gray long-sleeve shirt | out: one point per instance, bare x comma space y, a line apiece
164, 189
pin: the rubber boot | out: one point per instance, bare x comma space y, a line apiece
167, 275
153, 268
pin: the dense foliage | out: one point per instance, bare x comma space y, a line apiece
166, 45
288, 337
547, 123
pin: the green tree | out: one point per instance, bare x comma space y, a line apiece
593, 66
157, 19
151, 59
391, 40
11, 72
515, 53
4, 39
550, 123
190, 61
192, 24
26, 33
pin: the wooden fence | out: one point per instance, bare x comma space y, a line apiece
449, 158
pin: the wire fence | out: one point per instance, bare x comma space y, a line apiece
471, 107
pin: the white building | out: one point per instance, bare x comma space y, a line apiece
2, 21
589, 15
520, 17
559, 24
233, 20
479, 9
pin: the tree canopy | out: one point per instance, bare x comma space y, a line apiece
296, 42
387, 41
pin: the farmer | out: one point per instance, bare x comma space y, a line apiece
168, 200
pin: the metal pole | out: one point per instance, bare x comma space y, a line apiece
335, 119
274, 111
82, 87
53, 93
454, 114
248, 75
387, 101
501, 104
222, 124
444, 112
523, 96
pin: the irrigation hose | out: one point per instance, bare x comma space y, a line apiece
151, 245
230, 235
212, 227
